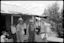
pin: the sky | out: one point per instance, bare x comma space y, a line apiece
27, 7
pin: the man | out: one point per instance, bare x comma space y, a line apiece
40, 37
31, 31
20, 30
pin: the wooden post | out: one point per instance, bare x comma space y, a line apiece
11, 19
11, 22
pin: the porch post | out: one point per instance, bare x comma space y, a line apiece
11, 19
11, 22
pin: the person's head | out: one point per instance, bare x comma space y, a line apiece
20, 20
31, 20
4, 32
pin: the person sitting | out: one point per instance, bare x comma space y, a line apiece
3, 36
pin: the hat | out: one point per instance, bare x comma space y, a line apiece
38, 18
20, 19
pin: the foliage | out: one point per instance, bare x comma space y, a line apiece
55, 18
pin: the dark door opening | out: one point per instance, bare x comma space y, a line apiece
3, 23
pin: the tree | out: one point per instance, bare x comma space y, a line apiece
55, 18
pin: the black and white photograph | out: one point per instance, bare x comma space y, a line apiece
31, 21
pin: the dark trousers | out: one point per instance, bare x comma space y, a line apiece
31, 30
31, 36
14, 37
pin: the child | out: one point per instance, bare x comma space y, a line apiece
3, 37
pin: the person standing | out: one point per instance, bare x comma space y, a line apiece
20, 30
31, 31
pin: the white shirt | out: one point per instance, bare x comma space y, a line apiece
13, 29
2, 38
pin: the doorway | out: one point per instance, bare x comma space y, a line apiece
3, 23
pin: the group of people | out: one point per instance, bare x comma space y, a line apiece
31, 29
30, 32
28, 29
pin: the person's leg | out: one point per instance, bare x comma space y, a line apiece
18, 36
14, 37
